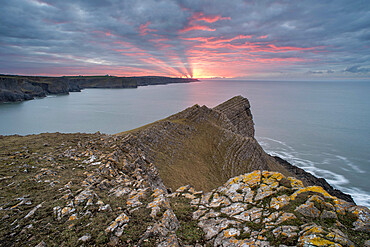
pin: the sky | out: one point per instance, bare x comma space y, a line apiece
317, 39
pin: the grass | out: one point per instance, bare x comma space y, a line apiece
188, 233
23, 160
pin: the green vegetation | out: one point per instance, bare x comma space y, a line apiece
189, 232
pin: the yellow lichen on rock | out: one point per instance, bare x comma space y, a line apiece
279, 202
296, 183
252, 178
316, 189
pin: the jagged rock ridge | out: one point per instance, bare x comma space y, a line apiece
205, 147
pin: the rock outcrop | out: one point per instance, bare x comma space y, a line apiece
19, 88
97, 190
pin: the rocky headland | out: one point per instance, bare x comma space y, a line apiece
20, 88
196, 178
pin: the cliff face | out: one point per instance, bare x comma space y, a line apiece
205, 147
19, 88
99, 190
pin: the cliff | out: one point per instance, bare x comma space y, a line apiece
19, 88
122, 190
205, 147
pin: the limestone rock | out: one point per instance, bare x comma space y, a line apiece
308, 210
85, 238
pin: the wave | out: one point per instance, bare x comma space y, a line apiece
350, 164
338, 181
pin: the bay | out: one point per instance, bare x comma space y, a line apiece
320, 126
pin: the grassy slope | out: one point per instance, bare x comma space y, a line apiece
195, 157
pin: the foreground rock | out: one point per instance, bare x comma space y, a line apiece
81, 189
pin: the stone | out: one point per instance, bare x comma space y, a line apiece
210, 214
170, 241
234, 209
328, 215
159, 202
72, 217
32, 212
66, 210
183, 188
363, 221
338, 238
85, 238
84, 195
250, 215
198, 213
308, 210
286, 231
219, 200
105, 208
169, 220
279, 202
119, 221
314, 240
263, 192
272, 217
133, 200
284, 217
313, 229
295, 183
119, 230
231, 232
118, 192
213, 226
41, 244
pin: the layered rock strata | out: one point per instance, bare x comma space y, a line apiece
206, 146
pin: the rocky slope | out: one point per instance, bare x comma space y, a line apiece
121, 190
19, 88
97, 190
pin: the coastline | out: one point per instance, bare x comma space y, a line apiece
14, 88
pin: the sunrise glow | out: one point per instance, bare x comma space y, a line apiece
182, 39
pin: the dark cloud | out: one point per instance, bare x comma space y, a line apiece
178, 37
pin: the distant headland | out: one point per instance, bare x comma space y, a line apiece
19, 88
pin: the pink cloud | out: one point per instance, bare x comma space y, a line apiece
143, 29
199, 16
196, 27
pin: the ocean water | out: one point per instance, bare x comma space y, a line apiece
322, 127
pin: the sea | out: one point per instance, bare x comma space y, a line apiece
320, 126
